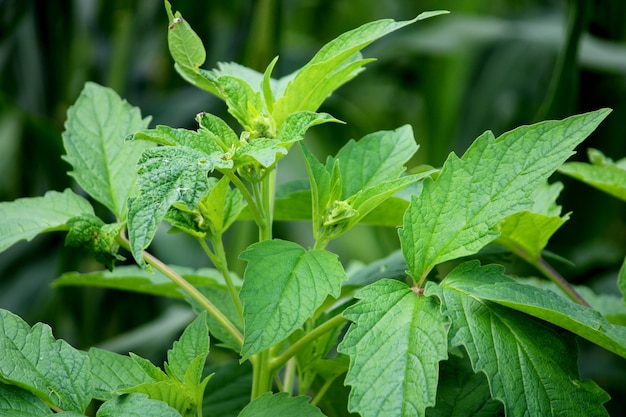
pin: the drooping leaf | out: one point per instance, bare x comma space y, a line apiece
490, 284
462, 392
531, 365
50, 369
25, 218
166, 175
17, 402
395, 344
527, 232
99, 239
132, 278
456, 215
602, 173
283, 285
103, 164
135, 405
335, 64
281, 404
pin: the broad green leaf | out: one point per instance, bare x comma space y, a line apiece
531, 365
50, 369
103, 164
170, 393
99, 239
283, 285
229, 390
456, 215
135, 405
281, 404
112, 372
132, 278
25, 218
335, 64
165, 135
395, 344
490, 284
602, 173
527, 232
374, 159
462, 392
192, 344
244, 103
262, 151
166, 175
17, 402
217, 129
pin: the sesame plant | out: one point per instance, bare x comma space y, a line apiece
431, 330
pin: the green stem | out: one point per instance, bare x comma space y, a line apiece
258, 216
221, 264
290, 376
305, 340
189, 289
322, 391
565, 286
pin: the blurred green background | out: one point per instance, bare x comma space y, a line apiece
488, 65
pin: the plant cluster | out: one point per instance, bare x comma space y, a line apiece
426, 331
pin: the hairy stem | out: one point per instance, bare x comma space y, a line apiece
221, 264
189, 289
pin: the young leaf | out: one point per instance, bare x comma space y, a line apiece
524, 359
165, 135
602, 173
193, 343
280, 404
104, 166
17, 402
456, 215
25, 218
490, 284
217, 129
166, 175
298, 123
50, 369
395, 345
263, 151
220, 207
374, 159
335, 64
300, 282
527, 232
112, 372
132, 278
135, 405
98, 238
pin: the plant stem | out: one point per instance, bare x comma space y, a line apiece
305, 340
290, 372
555, 277
258, 217
221, 264
189, 289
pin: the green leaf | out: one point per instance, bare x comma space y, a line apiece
25, 218
229, 390
193, 344
395, 345
490, 283
298, 123
602, 173
217, 129
263, 151
170, 393
374, 159
165, 135
531, 365
220, 207
17, 402
281, 404
104, 165
99, 239
300, 282
335, 64
136, 405
166, 175
50, 369
187, 50
112, 372
527, 232
457, 214
621, 280
243, 102
132, 278
463, 393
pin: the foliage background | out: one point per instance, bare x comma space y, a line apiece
488, 65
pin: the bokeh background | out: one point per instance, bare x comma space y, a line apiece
488, 65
